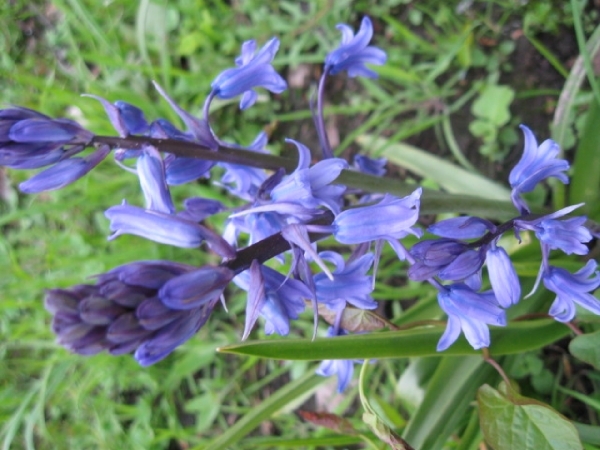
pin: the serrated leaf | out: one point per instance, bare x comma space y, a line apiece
512, 421
586, 347
356, 320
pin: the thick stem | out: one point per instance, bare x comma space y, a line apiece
272, 246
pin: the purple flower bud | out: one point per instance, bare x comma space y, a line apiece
503, 277
354, 52
464, 227
434, 255
63, 173
120, 317
44, 130
196, 288
254, 70
572, 288
133, 117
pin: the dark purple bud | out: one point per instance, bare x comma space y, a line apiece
124, 347
91, 343
126, 328
61, 300
69, 327
153, 314
149, 274
194, 289
170, 337
42, 130
464, 227
123, 294
99, 310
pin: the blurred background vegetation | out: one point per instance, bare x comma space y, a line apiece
460, 77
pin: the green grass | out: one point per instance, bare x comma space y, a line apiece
440, 61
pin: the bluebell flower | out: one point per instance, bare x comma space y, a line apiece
276, 298
391, 218
354, 52
252, 71
197, 209
121, 313
342, 368
469, 312
536, 165
63, 172
311, 186
568, 235
503, 277
572, 288
164, 228
350, 283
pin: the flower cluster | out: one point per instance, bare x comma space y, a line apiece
151, 307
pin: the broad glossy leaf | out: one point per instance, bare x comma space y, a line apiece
515, 338
510, 421
586, 347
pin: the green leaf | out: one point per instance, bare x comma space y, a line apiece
517, 337
493, 104
450, 177
264, 410
510, 421
586, 347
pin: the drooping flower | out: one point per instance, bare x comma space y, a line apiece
350, 283
572, 288
391, 218
164, 228
448, 259
122, 314
311, 186
354, 52
469, 312
342, 368
536, 165
276, 298
252, 71
503, 277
